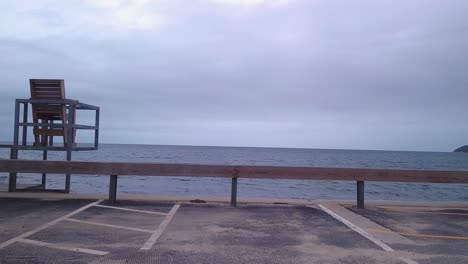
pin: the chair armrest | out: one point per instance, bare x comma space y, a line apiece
48, 101
84, 106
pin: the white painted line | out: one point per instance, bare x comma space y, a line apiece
363, 233
51, 223
407, 260
75, 249
131, 210
357, 229
158, 232
109, 225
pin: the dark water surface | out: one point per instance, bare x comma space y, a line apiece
259, 156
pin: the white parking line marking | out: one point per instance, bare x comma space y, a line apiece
109, 225
357, 229
408, 261
51, 223
158, 232
131, 210
50, 245
363, 233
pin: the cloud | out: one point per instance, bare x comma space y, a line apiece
42, 19
252, 3
129, 15
328, 74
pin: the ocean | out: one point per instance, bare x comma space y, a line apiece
258, 188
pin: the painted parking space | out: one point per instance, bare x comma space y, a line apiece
112, 216
93, 229
18, 216
170, 232
439, 235
214, 233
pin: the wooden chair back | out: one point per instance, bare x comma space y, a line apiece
48, 89
47, 113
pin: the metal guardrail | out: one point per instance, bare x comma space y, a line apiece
114, 169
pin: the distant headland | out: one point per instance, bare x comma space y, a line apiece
462, 149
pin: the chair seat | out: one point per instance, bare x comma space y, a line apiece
49, 116
49, 131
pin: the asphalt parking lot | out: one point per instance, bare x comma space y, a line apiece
94, 231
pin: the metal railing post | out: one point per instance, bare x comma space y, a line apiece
96, 131
113, 189
14, 148
360, 194
69, 141
25, 120
234, 192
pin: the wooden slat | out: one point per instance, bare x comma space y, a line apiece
241, 171
52, 95
51, 86
46, 81
49, 132
55, 94
47, 89
47, 84
48, 110
47, 96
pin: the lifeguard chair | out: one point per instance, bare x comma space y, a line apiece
52, 115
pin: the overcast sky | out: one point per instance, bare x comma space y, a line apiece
274, 73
